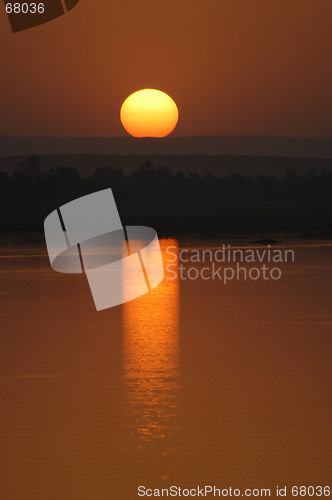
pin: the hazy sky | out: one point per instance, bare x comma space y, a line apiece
233, 67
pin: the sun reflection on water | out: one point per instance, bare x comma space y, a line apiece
151, 358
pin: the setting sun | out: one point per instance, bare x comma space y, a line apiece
149, 113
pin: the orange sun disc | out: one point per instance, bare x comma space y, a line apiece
149, 113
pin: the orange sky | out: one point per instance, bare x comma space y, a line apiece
234, 67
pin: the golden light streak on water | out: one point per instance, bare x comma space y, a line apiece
151, 357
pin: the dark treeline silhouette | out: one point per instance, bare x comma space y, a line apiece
174, 203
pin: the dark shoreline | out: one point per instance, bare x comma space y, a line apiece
272, 239
175, 203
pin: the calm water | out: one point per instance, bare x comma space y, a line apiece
195, 383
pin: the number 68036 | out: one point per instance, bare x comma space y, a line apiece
25, 8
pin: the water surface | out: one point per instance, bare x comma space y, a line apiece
195, 383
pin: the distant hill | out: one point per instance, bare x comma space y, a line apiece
288, 147
217, 165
